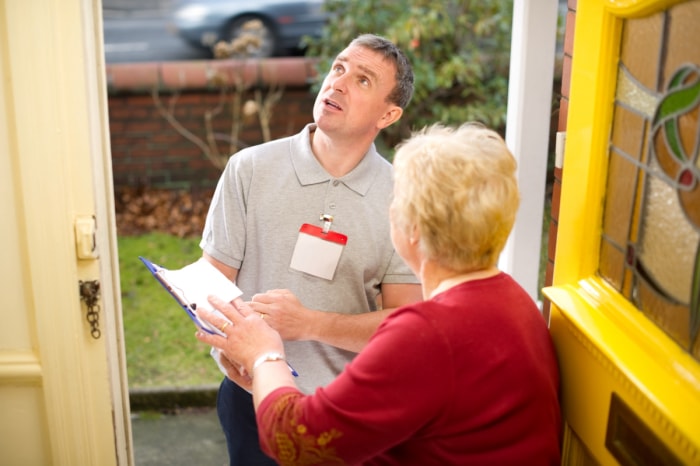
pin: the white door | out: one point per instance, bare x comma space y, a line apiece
63, 389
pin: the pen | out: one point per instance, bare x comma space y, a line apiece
274, 357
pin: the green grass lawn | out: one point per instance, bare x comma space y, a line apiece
161, 349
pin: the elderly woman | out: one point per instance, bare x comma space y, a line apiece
467, 376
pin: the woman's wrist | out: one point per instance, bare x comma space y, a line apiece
270, 356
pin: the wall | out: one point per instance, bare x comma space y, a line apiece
563, 114
147, 151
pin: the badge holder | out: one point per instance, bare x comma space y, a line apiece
318, 249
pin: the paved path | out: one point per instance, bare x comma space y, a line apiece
189, 437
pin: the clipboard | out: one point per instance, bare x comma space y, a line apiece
191, 285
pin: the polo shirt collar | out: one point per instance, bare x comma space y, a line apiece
309, 170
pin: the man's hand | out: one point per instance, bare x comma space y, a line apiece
283, 311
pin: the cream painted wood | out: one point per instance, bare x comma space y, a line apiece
63, 394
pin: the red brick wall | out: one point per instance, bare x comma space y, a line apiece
149, 152
563, 114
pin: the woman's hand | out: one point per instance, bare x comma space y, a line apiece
248, 337
235, 372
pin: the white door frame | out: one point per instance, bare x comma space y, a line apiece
532, 59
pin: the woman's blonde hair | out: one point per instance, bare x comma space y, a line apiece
457, 188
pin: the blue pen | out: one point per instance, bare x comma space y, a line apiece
274, 357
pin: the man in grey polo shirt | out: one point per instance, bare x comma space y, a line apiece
301, 225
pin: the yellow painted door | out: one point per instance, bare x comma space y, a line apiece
63, 390
626, 287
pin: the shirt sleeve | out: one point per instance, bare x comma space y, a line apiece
383, 397
224, 232
399, 272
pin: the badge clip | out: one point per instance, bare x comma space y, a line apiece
327, 221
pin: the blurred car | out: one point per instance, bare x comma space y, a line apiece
281, 26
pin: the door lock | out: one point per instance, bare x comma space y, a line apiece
90, 293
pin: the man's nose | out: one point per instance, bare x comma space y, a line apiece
339, 84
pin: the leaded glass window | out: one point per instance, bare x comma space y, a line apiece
651, 226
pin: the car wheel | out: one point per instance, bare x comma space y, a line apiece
253, 36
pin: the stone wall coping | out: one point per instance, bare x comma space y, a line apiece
199, 74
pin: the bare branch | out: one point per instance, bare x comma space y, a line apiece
232, 89
170, 117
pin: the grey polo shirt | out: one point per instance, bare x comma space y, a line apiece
262, 199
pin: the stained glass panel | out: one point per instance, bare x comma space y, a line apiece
642, 47
650, 244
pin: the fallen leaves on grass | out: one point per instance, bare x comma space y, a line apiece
144, 210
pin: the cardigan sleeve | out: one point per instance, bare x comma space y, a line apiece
391, 390
285, 436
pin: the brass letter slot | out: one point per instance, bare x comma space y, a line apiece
633, 443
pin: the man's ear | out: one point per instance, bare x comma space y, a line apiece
390, 117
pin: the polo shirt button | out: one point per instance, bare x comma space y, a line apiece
336, 182
331, 205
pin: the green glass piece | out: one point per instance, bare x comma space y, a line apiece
673, 104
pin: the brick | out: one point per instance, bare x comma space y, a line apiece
566, 76
563, 113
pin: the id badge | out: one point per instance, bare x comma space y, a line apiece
317, 251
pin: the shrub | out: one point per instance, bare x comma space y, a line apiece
459, 49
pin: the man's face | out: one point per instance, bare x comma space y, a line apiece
353, 97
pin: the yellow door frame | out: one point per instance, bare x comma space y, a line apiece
605, 345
